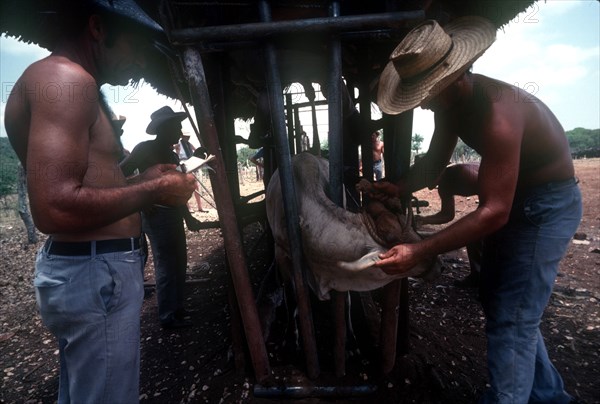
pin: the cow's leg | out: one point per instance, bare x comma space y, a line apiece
269, 299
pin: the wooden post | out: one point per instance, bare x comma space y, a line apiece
236, 259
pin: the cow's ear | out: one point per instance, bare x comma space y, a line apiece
364, 262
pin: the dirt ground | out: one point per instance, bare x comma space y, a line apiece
445, 362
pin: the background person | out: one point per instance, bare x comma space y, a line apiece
185, 150
457, 179
377, 145
88, 275
164, 224
529, 201
258, 160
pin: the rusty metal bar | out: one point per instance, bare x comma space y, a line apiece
236, 259
289, 202
237, 32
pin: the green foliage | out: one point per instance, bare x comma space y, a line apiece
581, 139
9, 168
417, 141
244, 154
464, 153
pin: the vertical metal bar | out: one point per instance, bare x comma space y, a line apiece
289, 108
334, 100
402, 150
336, 170
398, 152
233, 243
398, 130
366, 145
289, 201
298, 130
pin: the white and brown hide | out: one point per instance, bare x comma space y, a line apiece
337, 244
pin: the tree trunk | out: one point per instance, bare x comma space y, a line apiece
24, 207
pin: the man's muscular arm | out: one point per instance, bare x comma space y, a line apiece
498, 174
65, 197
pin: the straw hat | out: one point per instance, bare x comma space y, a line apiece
161, 116
429, 58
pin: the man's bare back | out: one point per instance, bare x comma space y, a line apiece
544, 150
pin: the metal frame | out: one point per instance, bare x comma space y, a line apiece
335, 25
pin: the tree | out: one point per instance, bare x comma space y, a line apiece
463, 153
417, 140
244, 154
24, 207
9, 168
581, 139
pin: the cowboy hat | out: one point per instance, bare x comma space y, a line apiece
161, 116
429, 58
130, 10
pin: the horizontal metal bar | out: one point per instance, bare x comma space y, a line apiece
282, 391
371, 36
312, 25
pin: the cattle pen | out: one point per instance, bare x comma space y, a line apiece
232, 59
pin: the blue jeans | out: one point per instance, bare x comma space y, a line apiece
92, 305
520, 264
164, 228
378, 169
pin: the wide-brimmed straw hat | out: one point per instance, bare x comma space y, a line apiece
161, 116
429, 58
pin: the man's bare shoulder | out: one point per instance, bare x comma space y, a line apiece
56, 79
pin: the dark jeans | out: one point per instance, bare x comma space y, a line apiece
164, 228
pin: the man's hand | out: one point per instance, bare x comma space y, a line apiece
156, 171
175, 188
383, 190
398, 259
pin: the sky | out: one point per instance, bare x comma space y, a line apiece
551, 50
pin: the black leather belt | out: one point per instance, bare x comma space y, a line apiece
86, 247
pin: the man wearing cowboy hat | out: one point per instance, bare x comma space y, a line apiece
88, 275
164, 224
530, 204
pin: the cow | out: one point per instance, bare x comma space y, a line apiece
340, 247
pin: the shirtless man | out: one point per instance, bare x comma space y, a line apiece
530, 204
88, 275
377, 145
